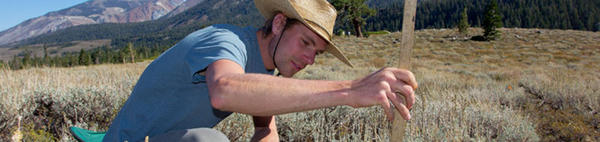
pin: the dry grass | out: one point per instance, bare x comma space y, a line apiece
51, 99
531, 85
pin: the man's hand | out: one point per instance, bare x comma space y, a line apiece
379, 88
265, 129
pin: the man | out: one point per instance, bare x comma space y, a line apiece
222, 69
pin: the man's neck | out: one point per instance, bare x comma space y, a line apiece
263, 45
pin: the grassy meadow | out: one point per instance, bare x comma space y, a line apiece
530, 85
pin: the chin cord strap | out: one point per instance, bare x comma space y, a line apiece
275, 51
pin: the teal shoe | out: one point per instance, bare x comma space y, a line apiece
84, 135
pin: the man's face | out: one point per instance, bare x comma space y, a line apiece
297, 49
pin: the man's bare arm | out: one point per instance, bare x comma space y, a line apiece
263, 95
232, 90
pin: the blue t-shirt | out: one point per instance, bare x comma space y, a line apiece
172, 95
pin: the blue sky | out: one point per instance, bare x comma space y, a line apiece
13, 12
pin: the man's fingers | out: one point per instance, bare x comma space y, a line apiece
407, 77
399, 105
387, 108
403, 111
409, 95
406, 91
405, 84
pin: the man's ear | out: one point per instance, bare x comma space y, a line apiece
279, 22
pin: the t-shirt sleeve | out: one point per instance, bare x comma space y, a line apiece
216, 46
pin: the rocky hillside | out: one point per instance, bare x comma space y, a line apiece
93, 12
184, 6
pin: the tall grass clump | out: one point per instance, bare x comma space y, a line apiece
51, 99
568, 104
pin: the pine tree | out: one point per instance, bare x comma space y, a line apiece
463, 24
131, 51
46, 60
96, 56
84, 58
123, 55
355, 12
15, 64
73, 60
52, 62
109, 56
36, 61
144, 52
491, 21
26, 61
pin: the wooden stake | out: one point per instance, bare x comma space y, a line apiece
408, 40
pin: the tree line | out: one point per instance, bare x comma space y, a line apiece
101, 55
548, 14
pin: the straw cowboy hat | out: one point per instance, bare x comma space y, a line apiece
317, 15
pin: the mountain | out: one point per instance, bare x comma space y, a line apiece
184, 6
92, 12
237, 12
